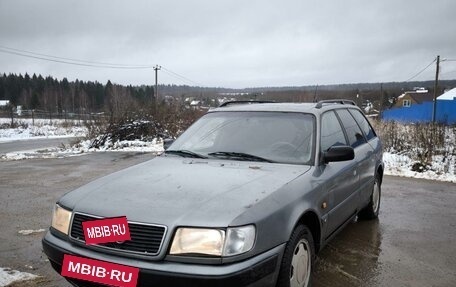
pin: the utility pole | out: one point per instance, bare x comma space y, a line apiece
156, 69
315, 94
381, 100
436, 85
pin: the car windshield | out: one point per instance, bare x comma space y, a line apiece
254, 136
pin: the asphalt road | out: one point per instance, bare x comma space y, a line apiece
412, 243
25, 145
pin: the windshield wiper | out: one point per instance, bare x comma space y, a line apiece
239, 156
185, 153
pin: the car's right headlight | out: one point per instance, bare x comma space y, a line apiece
61, 219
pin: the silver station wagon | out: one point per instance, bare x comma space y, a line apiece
247, 196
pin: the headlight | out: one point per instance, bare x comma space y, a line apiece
239, 240
61, 219
198, 241
215, 242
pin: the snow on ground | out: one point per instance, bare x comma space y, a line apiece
41, 129
397, 164
83, 147
32, 154
30, 231
401, 165
155, 146
8, 276
442, 168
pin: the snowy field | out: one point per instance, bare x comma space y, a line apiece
25, 130
42, 128
396, 164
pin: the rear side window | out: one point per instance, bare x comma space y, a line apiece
354, 134
363, 123
331, 131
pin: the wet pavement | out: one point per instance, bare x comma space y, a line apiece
411, 244
28, 191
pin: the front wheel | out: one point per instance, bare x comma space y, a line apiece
298, 259
372, 209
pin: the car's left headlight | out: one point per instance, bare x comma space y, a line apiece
61, 219
213, 242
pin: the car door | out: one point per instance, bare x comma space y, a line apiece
364, 155
367, 167
340, 179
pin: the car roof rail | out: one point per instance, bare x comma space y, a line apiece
342, 102
231, 103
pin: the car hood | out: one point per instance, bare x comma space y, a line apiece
174, 191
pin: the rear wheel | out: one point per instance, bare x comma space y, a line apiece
372, 209
298, 259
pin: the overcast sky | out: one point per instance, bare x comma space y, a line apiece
233, 43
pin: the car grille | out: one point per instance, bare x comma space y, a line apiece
146, 239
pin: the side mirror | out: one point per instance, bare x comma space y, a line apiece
167, 143
339, 153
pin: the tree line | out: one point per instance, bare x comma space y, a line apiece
63, 97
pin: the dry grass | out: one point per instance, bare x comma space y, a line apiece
421, 141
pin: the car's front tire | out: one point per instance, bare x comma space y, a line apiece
372, 209
298, 259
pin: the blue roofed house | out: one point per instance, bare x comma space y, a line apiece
417, 106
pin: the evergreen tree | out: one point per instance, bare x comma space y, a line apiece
35, 101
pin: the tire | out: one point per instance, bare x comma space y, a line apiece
372, 209
298, 259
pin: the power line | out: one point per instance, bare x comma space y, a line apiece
84, 63
448, 73
74, 63
420, 72
451, 70
169, 72
184, 80
70, 59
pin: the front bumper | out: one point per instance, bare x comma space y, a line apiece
261, 270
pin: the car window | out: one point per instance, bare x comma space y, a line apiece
354, 134
331, 131
275, 136
363, 123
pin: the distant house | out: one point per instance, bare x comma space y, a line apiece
448, 96
195, 104
169, 99
189, 100
410, 98
419, 107
4, 103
